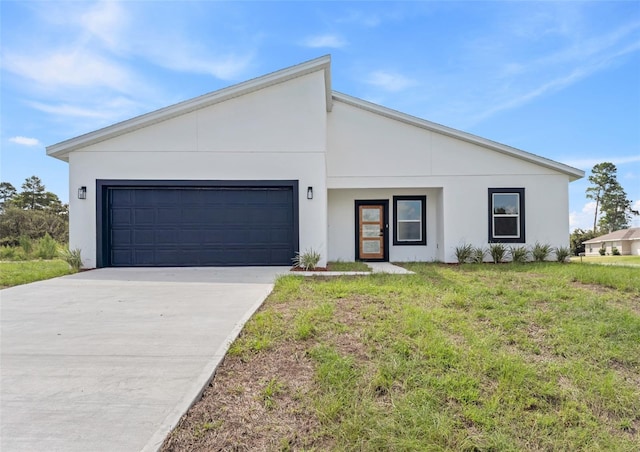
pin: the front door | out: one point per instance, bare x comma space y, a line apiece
372, 225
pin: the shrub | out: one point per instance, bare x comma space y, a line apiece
463, 253
12, 253
72, 257
562, 253
519, 254
7, 252
307, 260
47, 248
497, 252
615, 251
602, 251
478, 254
541, 252
26, 244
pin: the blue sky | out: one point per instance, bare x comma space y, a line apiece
558, 79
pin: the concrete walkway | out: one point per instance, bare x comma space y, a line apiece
388, 267
108, 360
375, 267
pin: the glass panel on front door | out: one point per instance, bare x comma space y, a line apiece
371, 232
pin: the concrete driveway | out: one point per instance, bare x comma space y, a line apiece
108, 360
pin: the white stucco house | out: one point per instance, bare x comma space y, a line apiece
253, 173
626, 241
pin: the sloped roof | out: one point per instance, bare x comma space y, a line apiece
573, 173
622, 234
62, 149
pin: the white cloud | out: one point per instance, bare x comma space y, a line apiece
106, 21
519, 81
25, 141
327, 40
183, 57
591, 162
635, 220
390, 81
102, 110
584, 218
71, 68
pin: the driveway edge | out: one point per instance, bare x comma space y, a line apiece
197, 389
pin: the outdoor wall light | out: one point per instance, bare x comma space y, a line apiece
309, 192
82, 192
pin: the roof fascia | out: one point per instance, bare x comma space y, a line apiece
573, 173
60, 150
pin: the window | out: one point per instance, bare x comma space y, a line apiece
409, 214
506, 215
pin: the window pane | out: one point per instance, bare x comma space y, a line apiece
371, 246
409, 210
505, 203
370, 230
409, 231
505, 226
370, 214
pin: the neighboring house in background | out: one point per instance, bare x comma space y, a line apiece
627, 241
253, 173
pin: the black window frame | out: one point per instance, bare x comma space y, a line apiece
521, 214
423, 219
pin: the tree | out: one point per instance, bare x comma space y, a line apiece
33, 195
576, 239
32, 213
7, 192
602, 175
610, 198
616, 208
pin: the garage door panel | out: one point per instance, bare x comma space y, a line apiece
121, 216
121, 257
167, 236
122, 198
186, 226
168, 215
144, 216
144, 256
144, 236
121, 236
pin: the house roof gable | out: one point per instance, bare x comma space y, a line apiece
62, 149
573, 173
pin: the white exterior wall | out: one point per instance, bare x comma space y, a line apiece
466, 210
592, 249
342, 224
283, 132
277, 133
626, 248
368, 151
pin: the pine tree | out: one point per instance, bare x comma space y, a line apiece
610, 198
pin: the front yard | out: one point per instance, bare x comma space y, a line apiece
612, 260
472, 357
13, 273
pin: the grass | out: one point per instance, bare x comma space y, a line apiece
23, 272
542, 356
618, 260
341, 266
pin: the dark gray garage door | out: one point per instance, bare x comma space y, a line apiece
200, 226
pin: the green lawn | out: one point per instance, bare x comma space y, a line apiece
472, 357
23, 272
341, 266
617, 260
